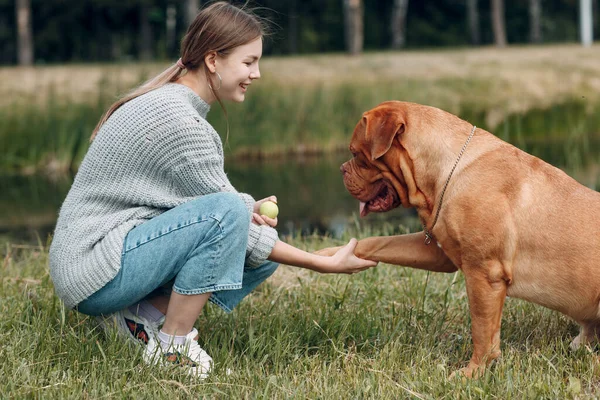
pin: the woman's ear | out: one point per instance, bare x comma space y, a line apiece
211, 61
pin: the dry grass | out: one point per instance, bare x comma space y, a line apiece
518, 76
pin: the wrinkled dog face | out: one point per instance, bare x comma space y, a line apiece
363, 177
375, 195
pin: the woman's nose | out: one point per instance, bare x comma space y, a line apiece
255, 74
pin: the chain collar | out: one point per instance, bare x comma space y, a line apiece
428, 232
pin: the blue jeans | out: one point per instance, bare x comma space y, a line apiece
197, 247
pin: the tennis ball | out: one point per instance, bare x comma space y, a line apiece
269, 209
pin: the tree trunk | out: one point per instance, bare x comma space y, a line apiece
116, 49
170, 26
535, 18
145, 38
398, 23
353, 18
191, 8
473, 17
585, 22
498, 23
24, 32
293, 27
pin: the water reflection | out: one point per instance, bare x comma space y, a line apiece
310, 191
29, 205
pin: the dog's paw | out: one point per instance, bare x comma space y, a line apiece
328, 251
469, 372
462, 374
577, 343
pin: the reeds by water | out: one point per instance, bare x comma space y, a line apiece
311, 104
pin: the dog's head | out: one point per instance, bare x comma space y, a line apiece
374, 174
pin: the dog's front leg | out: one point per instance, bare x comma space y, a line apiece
486, 290
407, 250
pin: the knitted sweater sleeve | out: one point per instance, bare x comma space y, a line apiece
198, 169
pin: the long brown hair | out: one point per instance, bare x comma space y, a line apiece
220, 27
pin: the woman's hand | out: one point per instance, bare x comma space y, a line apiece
263, 219
345, 262
328, 251
342, 262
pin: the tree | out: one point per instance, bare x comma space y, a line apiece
535, 17
353, 21
473, 17
24, 32
585, 22
145, 34
293, 26
171, 25
398, 23
191, 8
498, 23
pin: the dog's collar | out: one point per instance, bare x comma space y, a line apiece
428, 232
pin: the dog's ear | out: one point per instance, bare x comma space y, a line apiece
381, 127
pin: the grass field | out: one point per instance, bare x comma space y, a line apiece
312, 103
387, 333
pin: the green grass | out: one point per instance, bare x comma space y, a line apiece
272, 122
389, 332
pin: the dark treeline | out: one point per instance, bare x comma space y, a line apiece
121, 30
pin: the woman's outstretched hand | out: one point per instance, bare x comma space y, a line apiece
342, 261
345, 262
328, 251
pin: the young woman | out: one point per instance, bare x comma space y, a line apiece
151, 208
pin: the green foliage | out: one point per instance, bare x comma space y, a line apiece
276, 120
34, 136
72, 30
388, 332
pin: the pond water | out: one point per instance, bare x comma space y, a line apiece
310, 192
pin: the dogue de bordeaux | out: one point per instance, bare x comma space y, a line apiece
512, 223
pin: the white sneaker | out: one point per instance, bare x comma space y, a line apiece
130, 326
189, 355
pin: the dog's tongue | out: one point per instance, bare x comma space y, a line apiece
363, 209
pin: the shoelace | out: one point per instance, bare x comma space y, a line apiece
195, 352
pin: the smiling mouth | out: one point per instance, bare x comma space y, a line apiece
244, 86
385, 199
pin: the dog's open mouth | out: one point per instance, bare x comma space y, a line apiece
385, 199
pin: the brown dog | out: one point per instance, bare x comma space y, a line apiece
513, 224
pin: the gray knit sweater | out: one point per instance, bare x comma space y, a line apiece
154, 153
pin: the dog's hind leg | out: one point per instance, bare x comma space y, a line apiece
589, 332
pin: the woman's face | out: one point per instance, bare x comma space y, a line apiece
238, 70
